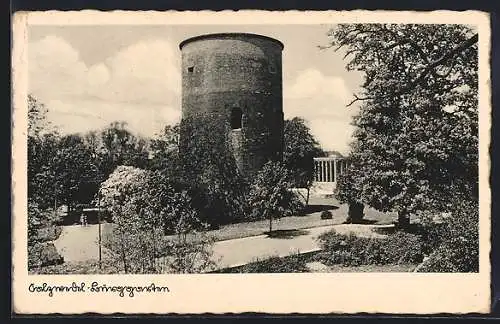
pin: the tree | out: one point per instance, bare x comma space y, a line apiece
270, 196
300, 147
37, 118
118, 146
347, 191
42, 145
208, 168
416, 136
165, 149
144, 206
75, 175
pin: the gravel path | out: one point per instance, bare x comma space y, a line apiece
77, 243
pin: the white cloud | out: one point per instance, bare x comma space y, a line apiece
55, 69
139, 85
83, 115
312, 83
144, 71
98, 75
321, 100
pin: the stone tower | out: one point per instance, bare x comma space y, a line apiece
237, 78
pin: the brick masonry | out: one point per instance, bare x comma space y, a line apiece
226, 72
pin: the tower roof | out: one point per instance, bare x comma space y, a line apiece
229, 35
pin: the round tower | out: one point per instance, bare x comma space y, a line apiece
237, 78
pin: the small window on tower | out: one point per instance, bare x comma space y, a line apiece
190, 69
272, 68
236, 116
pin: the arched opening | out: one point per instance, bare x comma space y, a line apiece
236, 116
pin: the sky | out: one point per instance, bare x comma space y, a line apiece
90, 76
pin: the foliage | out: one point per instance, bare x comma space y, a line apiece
49, 233
190, 256
85, 267
300, 147
416, 132
270, 196
326, 214
61, 169
351, 250
144, 207
75, 175
165, 149
458, 247
34, 221
121, 147
43, 254
38, 125
209, 169
290, 264
42, 147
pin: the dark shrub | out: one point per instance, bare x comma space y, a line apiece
458, 250
86, 267
326, 214
289, 264
350, 250
43, 254
49, 233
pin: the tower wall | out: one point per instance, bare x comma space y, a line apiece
227, 74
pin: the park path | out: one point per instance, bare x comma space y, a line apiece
232, 253
77, 243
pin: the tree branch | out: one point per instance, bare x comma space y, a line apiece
429, 69
468, 43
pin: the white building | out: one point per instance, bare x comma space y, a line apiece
327, 169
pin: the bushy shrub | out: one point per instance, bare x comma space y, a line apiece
49, 233
326, 214
43, 254
350, 250
145, 206
290, 264
458, 250
85, 267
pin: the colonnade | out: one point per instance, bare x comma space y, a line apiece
327, 168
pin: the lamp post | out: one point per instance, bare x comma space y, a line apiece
99, 226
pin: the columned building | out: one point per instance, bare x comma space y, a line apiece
327, 169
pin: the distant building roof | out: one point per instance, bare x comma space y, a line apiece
334, 154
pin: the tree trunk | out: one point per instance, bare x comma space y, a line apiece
403, 219
355, 212
270, 223
307, 197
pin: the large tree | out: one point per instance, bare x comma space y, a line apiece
209, 169
164, 149
119, 146
416, 136
300, 147
76, 177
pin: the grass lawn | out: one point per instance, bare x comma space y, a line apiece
317, 204
311, 219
